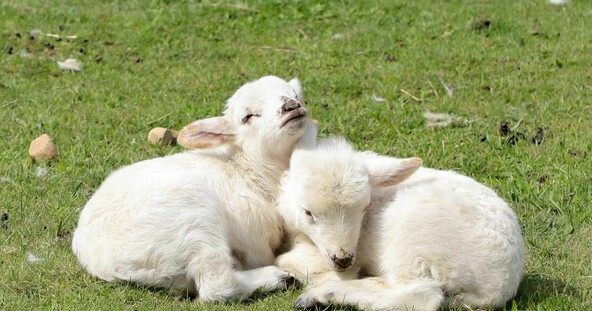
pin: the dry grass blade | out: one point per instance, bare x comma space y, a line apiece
415, 98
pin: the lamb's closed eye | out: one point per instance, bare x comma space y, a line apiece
249, 116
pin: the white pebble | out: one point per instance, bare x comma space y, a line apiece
70, 64
41, 171
33, 259
378, 99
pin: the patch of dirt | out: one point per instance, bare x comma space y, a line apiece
541, 180
577, 153
513, 136
504, 129
538, 137
4, 218
481, 24
390, 58
64, 234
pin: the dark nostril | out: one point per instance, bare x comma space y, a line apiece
290, 105
343, 263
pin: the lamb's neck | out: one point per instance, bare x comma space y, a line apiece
263, 172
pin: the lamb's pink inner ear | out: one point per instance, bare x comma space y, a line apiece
387, 172
207, 133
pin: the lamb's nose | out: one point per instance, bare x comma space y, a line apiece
290, 105
343, 263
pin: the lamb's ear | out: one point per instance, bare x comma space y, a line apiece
309, 138
297, 86
207, 133
385, 172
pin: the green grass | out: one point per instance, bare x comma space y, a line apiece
166, 63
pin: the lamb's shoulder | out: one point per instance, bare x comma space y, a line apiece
253, 225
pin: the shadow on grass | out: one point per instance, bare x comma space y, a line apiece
537, 288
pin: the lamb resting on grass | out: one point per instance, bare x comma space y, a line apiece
425, 238
203, 222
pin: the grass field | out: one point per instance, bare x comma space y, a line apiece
370, 70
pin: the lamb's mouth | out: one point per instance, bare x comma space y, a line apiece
338, 269
295, 114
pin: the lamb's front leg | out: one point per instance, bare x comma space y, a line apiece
337, 292
308, 265
374, 294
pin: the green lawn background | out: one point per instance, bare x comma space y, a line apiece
166, 63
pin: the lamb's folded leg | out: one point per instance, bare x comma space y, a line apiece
374, 294
217, 280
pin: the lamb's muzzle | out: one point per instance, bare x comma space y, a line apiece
293, 114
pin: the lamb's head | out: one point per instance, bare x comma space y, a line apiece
327, 190
265, 115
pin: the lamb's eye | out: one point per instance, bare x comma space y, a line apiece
310, 216
248, 117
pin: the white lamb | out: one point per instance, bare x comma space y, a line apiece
192, 221
425, 238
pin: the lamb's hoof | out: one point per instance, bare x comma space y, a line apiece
306, 303
292, 282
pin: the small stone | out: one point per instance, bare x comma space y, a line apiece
162, 136
43, 149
